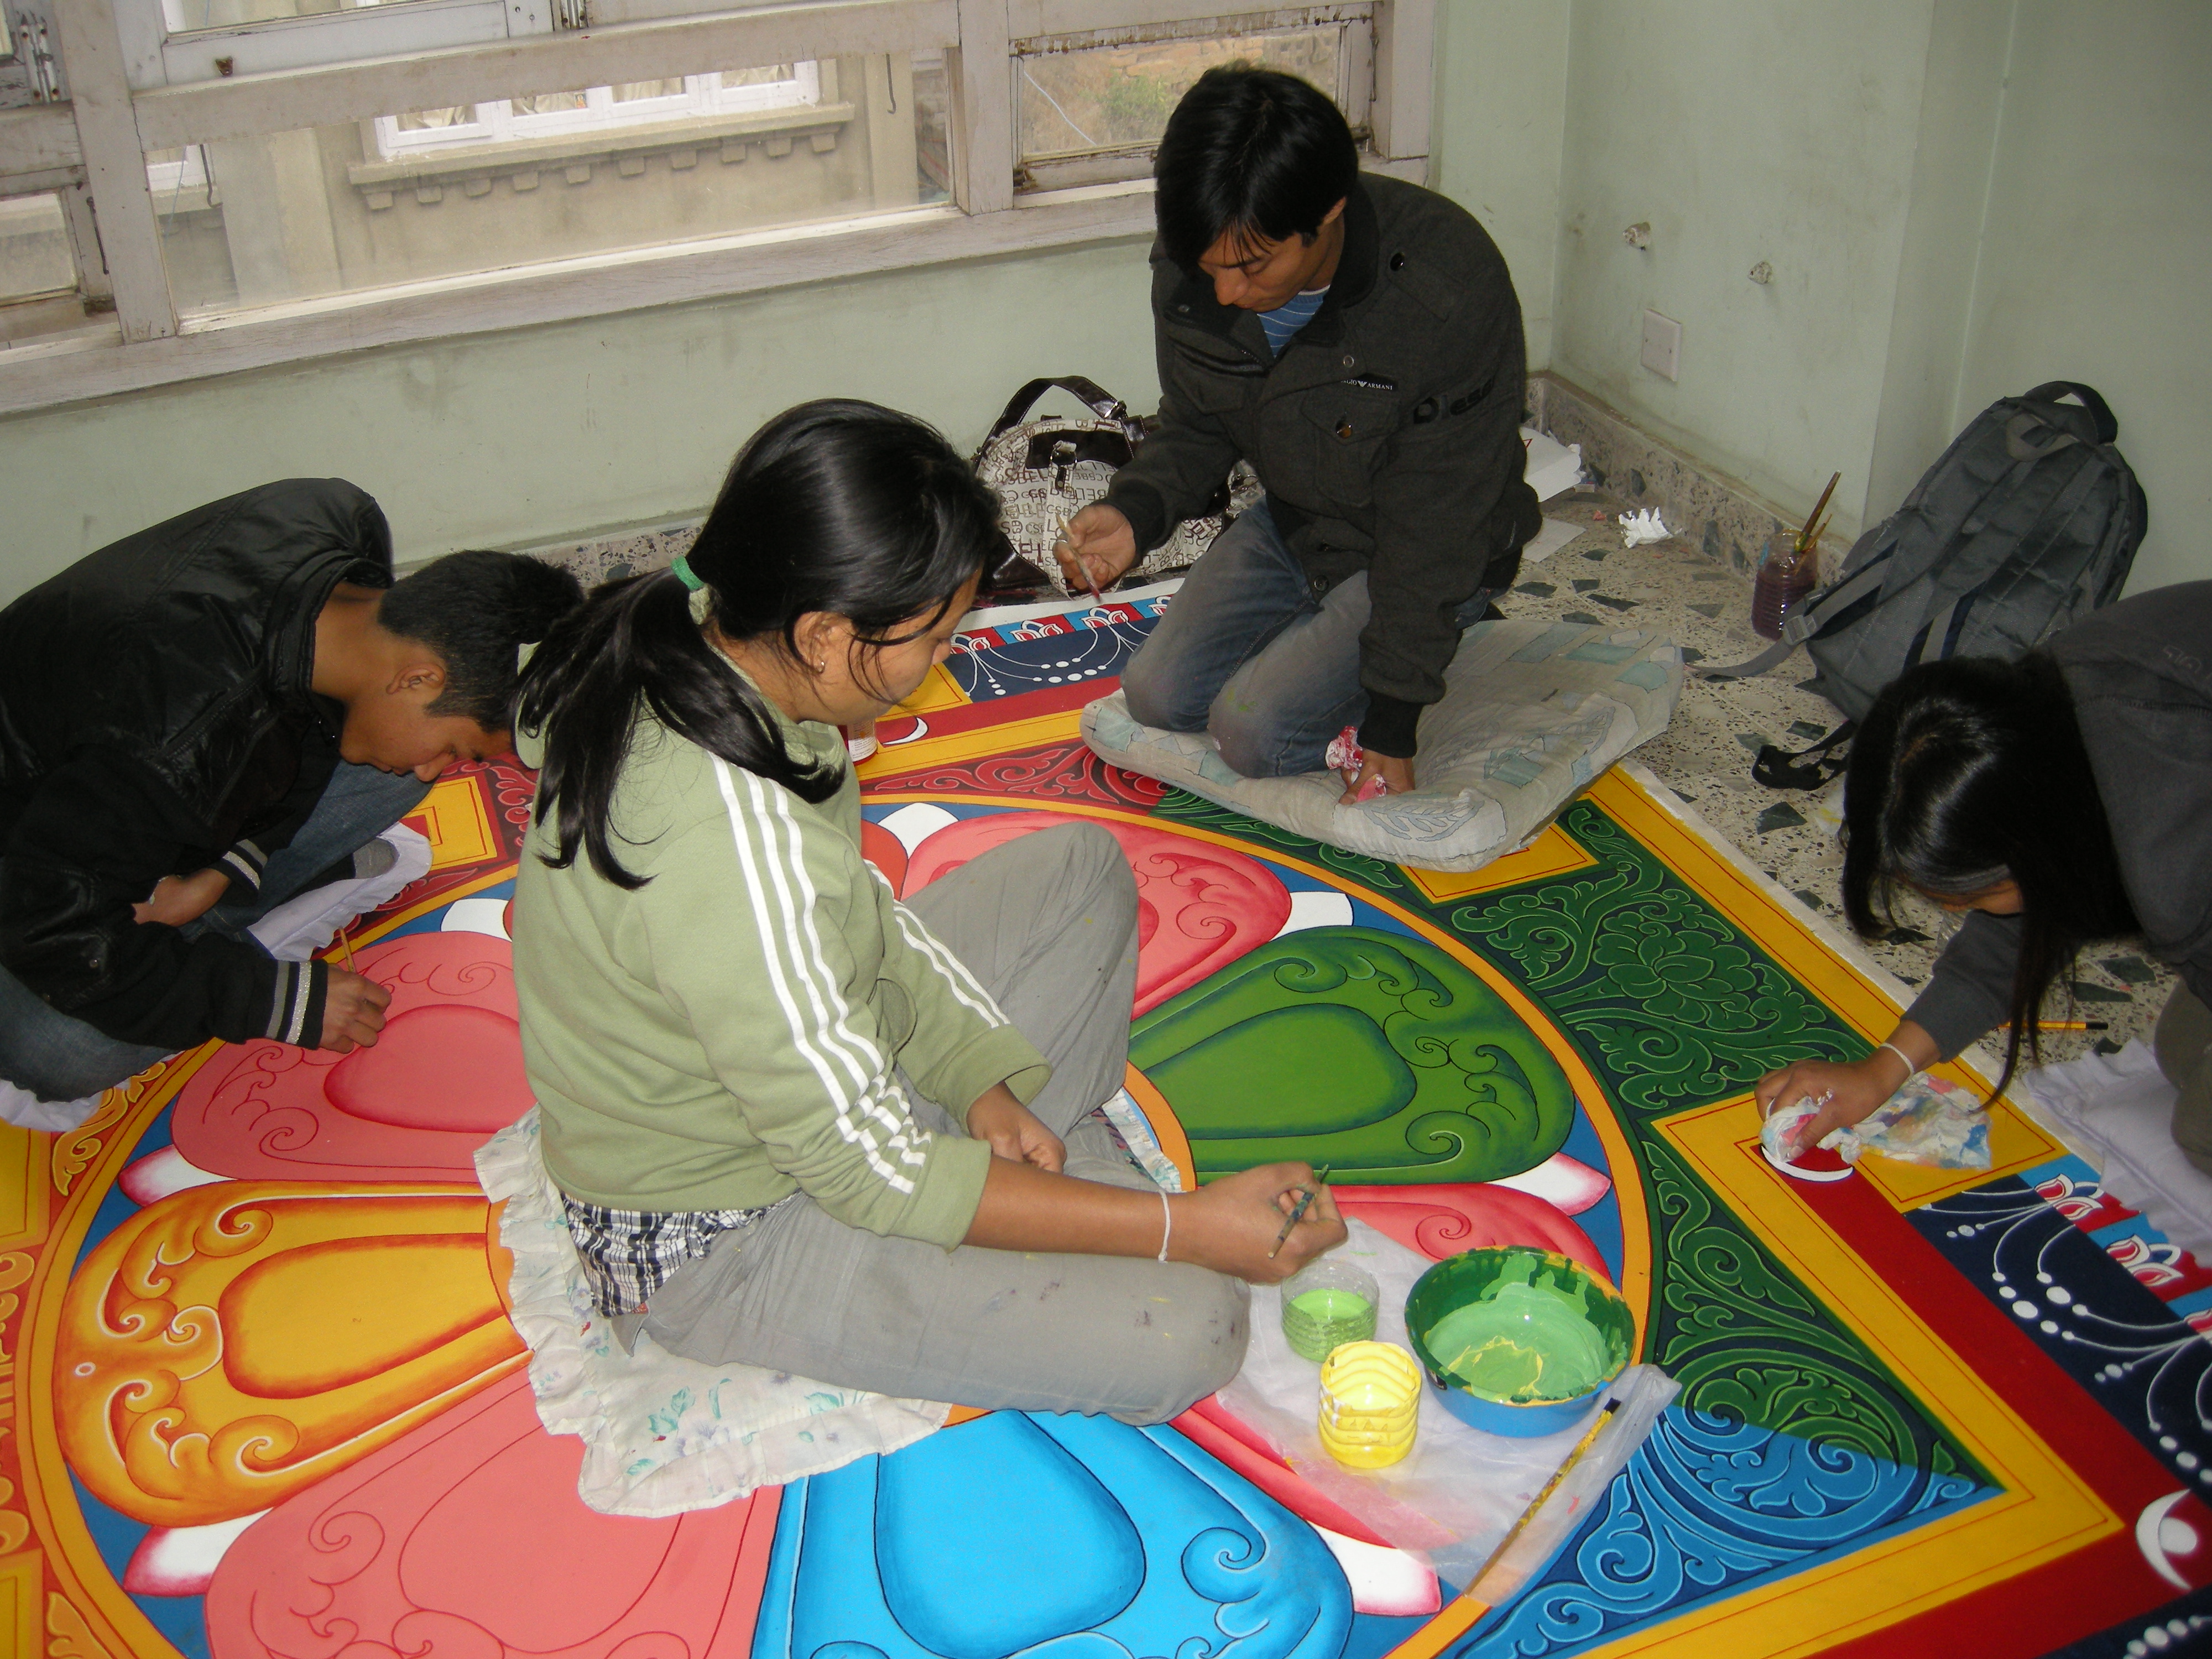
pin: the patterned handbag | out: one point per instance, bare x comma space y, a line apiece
1044, 469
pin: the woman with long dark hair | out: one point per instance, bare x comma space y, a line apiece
2059, 801
798, 1124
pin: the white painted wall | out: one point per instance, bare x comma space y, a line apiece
1938, 238
1497, 132
2097, 263
1742, 132
529, 436
1960, 199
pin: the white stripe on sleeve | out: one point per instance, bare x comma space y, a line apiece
884, 1098
954, 972
810, 1039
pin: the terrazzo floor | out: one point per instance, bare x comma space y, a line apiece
1704, 603
1706, 755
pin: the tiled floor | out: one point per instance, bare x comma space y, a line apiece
1697, 595
1706, 755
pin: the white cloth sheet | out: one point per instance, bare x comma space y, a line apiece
1453, 1498
2118, 1110
662, 1434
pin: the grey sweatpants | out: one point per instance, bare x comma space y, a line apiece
1048, 924
2184, 1041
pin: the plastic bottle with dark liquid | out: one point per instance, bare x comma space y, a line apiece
1785, 577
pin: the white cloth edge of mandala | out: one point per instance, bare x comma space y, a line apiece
651, 1447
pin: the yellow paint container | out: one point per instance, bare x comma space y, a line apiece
1370, 1403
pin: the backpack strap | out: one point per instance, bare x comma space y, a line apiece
1829, 608
1939, 636
1102, 403
2108, 424
1777, 768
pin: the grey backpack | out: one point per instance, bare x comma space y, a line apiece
2029, 520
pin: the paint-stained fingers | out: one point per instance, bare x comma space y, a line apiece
353, 1012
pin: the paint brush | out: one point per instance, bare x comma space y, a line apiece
345, 944
1307, 1194
1813, 525
1067, 540
2066, 1025
1589, 1439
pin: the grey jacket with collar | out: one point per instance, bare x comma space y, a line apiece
1387, 435
2140, 674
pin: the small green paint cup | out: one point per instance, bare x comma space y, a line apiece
1326, 1305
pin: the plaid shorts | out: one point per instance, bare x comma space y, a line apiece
628, 1254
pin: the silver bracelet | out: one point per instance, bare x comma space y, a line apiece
1167, 1225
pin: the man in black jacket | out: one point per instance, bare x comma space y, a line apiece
1358, 342
197, 723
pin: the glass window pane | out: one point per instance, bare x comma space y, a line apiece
39, 296
1107, 98
426, 194
185, 16
34, 248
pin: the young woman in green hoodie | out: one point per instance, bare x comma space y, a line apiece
798, 1122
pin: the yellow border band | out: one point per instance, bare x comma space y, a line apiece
2044, 1510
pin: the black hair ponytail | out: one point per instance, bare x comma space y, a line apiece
1970, 773
837, 506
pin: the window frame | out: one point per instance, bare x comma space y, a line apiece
1044, 171
121, 107
496, 122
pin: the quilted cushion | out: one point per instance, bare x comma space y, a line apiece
1532, 712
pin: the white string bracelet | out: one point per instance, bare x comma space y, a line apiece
1911, 1070
1167, 1225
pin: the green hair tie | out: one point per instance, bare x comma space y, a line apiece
682, 566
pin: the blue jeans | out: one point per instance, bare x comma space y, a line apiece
59, 1057
1246, 652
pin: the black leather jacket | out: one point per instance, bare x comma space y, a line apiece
155, 719
1387, 435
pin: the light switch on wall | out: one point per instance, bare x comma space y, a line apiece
1662, 346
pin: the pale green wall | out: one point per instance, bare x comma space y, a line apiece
539, 434
1968, 43
1495, 139
2097, 265
1937, 238
1742, 132
1960, 199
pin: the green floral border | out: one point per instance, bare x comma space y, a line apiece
1672, 1008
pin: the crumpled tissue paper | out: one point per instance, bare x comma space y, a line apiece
1636, 528
1929, 1121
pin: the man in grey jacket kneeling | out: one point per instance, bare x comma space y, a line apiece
1358, 342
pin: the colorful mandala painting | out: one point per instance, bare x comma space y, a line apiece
261, 1396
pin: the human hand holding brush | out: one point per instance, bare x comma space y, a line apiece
1095, 549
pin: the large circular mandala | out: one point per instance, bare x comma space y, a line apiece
299, 1421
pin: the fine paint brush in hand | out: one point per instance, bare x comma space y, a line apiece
1298, 1210
1067, 540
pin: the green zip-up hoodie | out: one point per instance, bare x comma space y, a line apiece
726, 1034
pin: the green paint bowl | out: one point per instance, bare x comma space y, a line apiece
1326, 1304
1517, 1341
